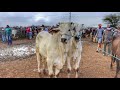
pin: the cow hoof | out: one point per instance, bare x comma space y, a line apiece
77, 70
44, 72
57, 75
39, 74
51, 76
68, 70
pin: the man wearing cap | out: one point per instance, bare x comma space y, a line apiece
99, 36
107, 38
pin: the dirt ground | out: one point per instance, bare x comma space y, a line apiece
93, 64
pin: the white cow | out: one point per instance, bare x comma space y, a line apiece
75, 50
51, 47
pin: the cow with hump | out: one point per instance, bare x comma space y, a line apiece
52, 47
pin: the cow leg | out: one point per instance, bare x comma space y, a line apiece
38, 61
117, 68
111, 65
112, 61
76, 67
68, 66
50, 68
44, 70
44, 64
57, 71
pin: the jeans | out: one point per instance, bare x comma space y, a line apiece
9, 39
30, 35
6, 38
109, 44
3, 38
27, 35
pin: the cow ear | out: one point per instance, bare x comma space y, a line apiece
54, 31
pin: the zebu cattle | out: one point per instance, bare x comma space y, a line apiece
51, 47
116, 52
75, 51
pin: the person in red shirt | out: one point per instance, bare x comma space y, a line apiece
27, 32
30, 33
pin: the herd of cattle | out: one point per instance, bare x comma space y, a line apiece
63, 45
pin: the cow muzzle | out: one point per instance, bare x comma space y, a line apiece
64, 40
77, 38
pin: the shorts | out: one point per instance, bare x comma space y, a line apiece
99, 40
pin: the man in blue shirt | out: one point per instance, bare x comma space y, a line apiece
99, 35
8, 31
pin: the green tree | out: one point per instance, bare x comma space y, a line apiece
112, 19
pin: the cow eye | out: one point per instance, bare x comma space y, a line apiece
69, 30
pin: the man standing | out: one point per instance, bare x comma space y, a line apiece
9, 34
99, 35
3, 35
30, 33
107, 38
27, 32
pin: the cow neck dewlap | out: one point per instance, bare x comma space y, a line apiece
56, 38
75, 44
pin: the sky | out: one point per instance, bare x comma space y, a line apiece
51, 18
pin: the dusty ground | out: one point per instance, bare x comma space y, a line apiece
93, 65
16, 42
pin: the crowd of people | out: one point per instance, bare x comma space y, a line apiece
102, 35
7, 35
28, 32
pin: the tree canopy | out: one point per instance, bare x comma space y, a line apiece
112, 19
